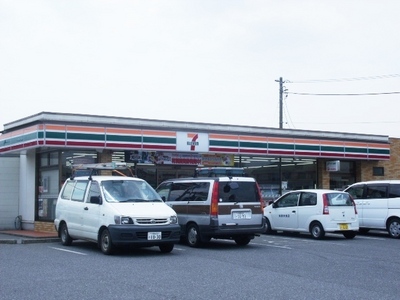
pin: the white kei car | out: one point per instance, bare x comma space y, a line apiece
314, 211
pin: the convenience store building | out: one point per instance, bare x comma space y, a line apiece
37, 154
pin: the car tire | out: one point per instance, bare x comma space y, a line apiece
166, 248
106, 244
66, 239
349, 234
242, 240
193, 236
393, 228
268, 229
317, 231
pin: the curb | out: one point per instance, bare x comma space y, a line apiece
29, 240
9, 241
39, 240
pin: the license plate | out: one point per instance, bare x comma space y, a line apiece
344, 226
241, 215
151, 236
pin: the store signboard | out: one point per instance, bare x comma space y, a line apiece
183, 158
191, 141
333, 165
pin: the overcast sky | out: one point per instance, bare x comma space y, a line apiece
205, 61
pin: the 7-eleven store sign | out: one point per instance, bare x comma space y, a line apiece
193, 142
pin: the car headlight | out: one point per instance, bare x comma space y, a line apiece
122, 220
173, 219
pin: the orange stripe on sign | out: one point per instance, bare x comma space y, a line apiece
224, 136
124, 131
332, 143
159, 133
253, 138
55, 127
281, 140
86, 129
382, 146
355, 144
307, 141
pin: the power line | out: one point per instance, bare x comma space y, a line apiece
345, 79
346, 94
342, 123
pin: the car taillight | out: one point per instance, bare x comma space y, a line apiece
354, 204
326, 204
214, 200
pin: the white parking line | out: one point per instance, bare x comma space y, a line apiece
179, 249
369, 237
300, 240
274, 246
70, 251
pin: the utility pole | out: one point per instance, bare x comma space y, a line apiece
280, 127
280, 102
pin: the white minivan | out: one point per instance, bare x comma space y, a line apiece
313, 211
378, 205
115, 211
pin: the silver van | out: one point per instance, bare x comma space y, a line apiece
378, 205
215, 207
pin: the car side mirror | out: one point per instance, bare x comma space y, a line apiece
95, 200
163, 198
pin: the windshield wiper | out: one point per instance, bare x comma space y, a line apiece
133, 200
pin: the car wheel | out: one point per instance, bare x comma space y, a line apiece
242, 240
193, 236
106, 244
166, 248
66, 239
268, 229
394, 228
349, 234
317, 231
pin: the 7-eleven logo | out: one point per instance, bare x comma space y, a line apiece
190, 141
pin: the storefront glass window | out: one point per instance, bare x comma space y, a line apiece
69, 159
345, 176
50, 181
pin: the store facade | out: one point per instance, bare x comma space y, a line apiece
49, 145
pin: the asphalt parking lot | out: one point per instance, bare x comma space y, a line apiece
280, 266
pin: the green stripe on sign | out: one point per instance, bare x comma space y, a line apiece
124, 138
307, 147
86, 136
356, 150
234, 144
281, 146
55, 135
332, 149
253, 145
159, 140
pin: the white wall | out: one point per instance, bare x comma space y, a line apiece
27, 190
9, 190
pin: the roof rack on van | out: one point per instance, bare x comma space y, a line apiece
219, 171
101, 166
112, 166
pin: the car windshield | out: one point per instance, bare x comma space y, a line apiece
129, 191
339, 199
